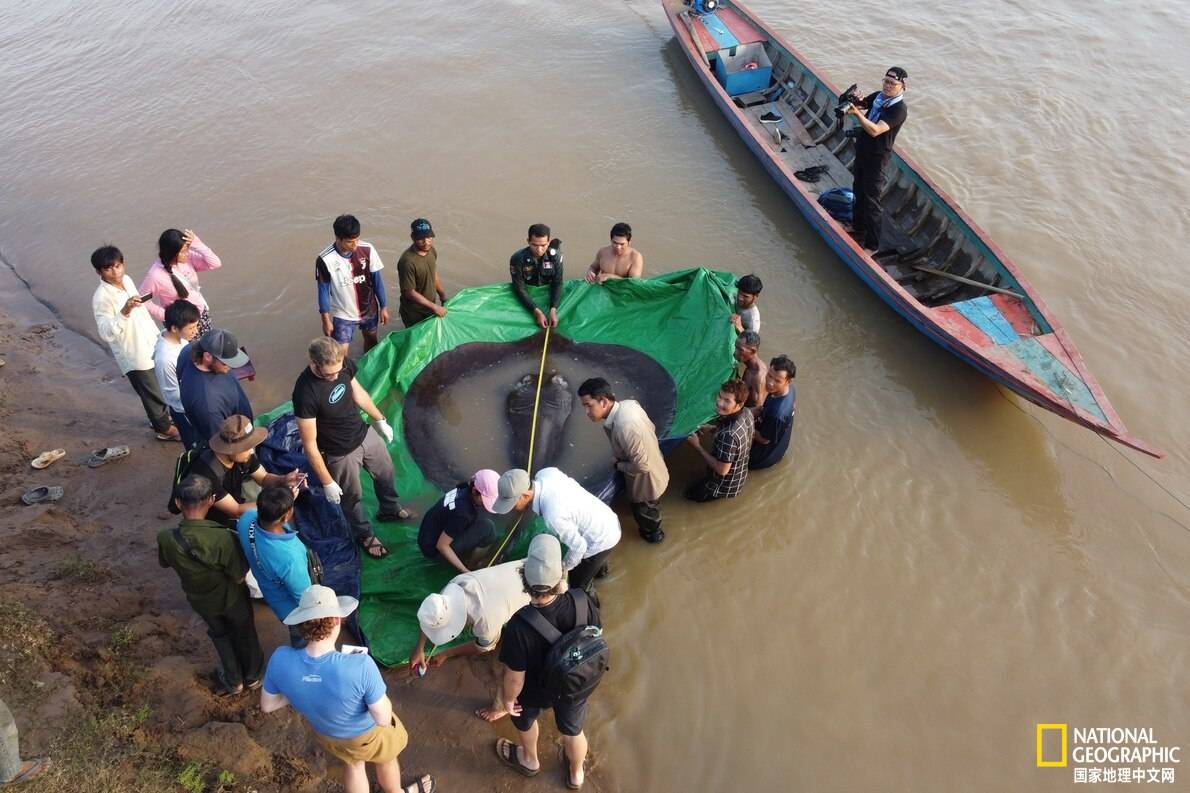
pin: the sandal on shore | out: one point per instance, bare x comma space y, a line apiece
42, 495
510, 754
374, 547
30, 770
565, 761
172, 435
104, 456
46, 459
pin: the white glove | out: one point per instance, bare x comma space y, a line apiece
384, 429
333, 492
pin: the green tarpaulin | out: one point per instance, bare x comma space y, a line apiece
680, 320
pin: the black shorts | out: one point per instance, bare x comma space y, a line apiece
569, 718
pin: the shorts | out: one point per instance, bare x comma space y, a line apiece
343, 330
377, 745
569, 717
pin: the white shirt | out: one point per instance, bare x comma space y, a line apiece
493, 595
131, 338
583, 523
165, 362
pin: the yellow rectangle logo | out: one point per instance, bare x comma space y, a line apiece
1042, 729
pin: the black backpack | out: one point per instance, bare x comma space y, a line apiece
181, 468
577, 659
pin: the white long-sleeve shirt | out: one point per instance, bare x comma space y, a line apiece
131, 338
583, 523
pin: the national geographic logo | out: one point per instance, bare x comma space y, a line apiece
1107, 754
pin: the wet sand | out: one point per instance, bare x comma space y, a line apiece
59, 389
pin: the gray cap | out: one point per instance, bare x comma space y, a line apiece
543, 565
224, 346
512, 485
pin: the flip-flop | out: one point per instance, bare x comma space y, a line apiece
373, 543
165, 436
104, 456
513, 759
42, 495
37, 767
566, 768
46, 459
416, 786
401, 514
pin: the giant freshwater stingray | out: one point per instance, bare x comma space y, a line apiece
460, 380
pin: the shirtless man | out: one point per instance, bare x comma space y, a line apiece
747, 352
618, 260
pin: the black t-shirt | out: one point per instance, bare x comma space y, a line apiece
881, 146
227, 481
453, 514
332, 405
523, 649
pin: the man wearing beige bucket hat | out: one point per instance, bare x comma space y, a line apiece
484, 600
342, 695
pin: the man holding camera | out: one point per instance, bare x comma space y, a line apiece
880, 116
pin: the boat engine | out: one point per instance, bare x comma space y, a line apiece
702, 6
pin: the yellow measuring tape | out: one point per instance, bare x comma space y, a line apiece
532, 440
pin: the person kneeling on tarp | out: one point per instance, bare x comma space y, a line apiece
454, 527
484, 601
342, 695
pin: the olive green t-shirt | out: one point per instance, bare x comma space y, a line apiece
213, 578
418, 273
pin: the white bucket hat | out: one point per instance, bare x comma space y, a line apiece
443, 616
319, 602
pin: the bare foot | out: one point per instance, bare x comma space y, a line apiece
491, 714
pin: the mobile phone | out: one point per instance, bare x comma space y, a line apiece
146, 297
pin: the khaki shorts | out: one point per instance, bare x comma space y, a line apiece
377, 745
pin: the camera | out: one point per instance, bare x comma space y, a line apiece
846, 99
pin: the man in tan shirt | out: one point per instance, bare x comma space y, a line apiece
636, 452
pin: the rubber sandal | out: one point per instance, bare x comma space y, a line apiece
46, 459
167, 436
513, 759
565, 761
37, 767
104, 456
373, 543
401, 514
417, 786
42, 495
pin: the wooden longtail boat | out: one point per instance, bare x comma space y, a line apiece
935, 267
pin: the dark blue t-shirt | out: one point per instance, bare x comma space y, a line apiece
209, 398
776, 425
454, 513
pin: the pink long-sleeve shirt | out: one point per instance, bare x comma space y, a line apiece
158, 282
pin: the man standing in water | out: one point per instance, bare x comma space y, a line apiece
350, 287
635, 451
727, 462
537, 264
417, 273
880, 116
618, 260
747, 352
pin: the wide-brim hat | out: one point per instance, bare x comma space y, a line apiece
442, 617
319, 602
236, 434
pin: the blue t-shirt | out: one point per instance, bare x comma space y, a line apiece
209, 398
776, 425
279, 564
332, 691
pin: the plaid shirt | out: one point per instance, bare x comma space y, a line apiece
733, 441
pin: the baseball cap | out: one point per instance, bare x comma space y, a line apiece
487, 481
443, 616
897, 73
319, 602
509, 489
543, 565
421, 229
224, 346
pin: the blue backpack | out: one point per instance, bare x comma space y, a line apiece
839, 202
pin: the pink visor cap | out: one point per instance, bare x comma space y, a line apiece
486, 481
